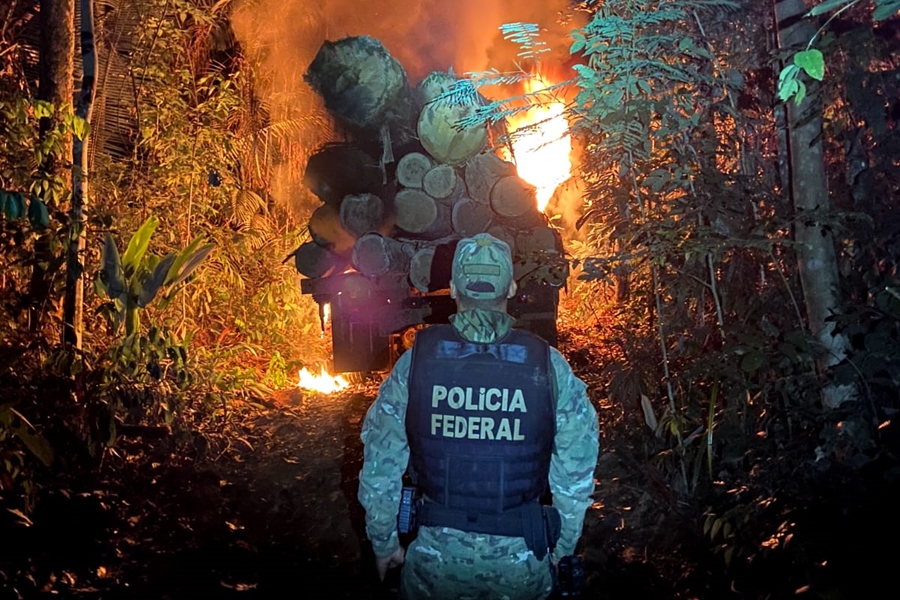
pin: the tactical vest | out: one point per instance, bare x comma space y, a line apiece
481, 420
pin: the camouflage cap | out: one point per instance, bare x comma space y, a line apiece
482, 267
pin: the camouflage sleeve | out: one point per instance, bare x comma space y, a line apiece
385, 458
574, 454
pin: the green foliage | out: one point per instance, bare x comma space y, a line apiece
17, 433
811, 60
135, 279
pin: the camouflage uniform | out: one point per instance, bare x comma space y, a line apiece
447, 563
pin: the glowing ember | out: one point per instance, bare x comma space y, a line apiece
323, 382
541, 145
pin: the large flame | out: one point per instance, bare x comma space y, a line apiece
541, 144
323, 382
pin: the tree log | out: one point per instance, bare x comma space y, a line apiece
513, 196
312, 260
482, 172
505, 234
442, 182
420, 269
326, 230
412, 168
441, 137
336, 170
433, 85
375, 255
362, 213
358, 80
470, 217
420, 214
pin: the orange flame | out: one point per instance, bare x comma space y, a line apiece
323, 383
541, 144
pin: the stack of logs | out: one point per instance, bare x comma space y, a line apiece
384, 216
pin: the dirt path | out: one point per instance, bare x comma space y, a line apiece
264, 504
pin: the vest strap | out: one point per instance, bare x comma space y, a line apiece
539, 525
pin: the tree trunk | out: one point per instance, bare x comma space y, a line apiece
442, 182
326, 230
420, 214
362, 213
358, 79
312, 260
375, 255
411, 169
420, 269
470, 217
482, 172
816, 255
73, 307
55, 86
440, 135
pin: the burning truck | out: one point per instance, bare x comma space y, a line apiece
398, 195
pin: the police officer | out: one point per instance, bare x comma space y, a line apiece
484, 418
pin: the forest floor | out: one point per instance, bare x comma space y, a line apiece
265, 506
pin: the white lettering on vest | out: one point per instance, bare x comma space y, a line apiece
456, 398
438, 393
518, 402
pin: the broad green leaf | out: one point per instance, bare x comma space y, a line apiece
182, 258
191, 264
111, 273
17, 206
150, 286
138, 244
827, 6
36, 443
812, 62
37, 214
752, 361
786, 90
80, 127
885, 9
800, 94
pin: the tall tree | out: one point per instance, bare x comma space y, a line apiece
72, 308
57, 18
818, 268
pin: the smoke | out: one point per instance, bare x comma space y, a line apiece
281, 38
424, 35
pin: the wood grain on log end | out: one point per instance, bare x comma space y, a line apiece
375, 255
411, 169
482, 172
441, 137
420, 269
362, 213
470, 217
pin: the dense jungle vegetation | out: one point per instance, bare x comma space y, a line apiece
735, 295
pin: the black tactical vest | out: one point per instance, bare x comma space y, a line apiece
481, 419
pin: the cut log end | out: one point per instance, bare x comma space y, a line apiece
412, 168
420, 214
362, 213
513, 196
441, 181
312, 260
375, 255
470, 217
